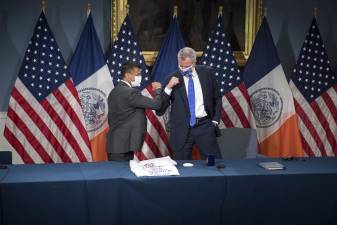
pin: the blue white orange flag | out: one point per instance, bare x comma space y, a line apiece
93, 83
167, 62
271, 99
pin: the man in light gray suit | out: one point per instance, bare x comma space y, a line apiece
126, 117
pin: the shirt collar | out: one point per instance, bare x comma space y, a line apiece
126, 83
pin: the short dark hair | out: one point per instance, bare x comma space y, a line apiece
128, 67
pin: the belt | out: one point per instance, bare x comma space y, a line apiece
200, 120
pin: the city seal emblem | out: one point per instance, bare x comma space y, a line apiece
94, 107
267, 106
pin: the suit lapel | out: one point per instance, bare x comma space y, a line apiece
182, 90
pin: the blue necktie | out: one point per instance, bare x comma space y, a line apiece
191, 96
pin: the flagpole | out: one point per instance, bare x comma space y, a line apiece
127, 9
88, 8
261, 16
43, 5
175, 11
220, 12
261, 9
315, 12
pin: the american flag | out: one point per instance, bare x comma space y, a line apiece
124, 49
236, 110
314, 87
45, 122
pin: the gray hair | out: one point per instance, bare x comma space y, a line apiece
187, 52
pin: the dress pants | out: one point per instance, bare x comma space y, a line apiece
203, 135
127, 156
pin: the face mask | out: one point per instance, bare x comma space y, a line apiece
137, 81
186, 69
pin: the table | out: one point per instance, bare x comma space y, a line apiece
108, 193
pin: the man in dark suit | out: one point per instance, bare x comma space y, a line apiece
126, 117
195, 102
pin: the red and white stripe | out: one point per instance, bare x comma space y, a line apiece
317, 122
49, 131
236, 109
156, 140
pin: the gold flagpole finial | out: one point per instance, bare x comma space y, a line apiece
127, 9
220, 12
88, 8
260, 12
175, 11
315, 12
43, 5
265, 11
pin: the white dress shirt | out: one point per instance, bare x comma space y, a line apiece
199, 97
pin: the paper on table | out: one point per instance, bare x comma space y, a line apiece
159, 161
164, 166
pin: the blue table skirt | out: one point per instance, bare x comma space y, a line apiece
108, 193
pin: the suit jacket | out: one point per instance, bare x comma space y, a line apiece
126, 117
180, 115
